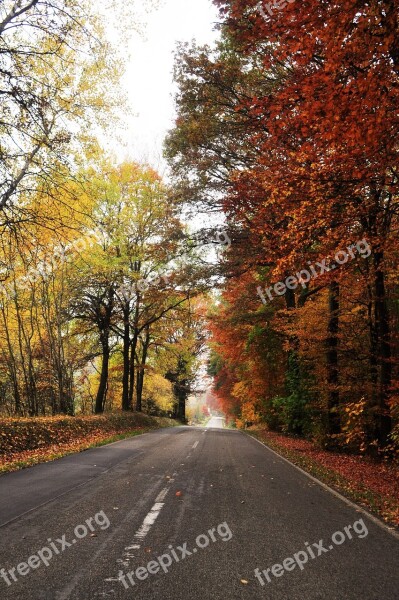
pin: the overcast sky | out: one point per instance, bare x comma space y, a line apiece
149, 79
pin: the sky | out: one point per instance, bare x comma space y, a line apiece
149, 77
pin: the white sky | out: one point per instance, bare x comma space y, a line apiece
149, 78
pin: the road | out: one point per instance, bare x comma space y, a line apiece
188, 513
216, 423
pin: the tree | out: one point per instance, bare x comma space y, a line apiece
54, 57
317, 89
125, 292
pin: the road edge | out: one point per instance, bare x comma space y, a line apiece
393, 531
75, 487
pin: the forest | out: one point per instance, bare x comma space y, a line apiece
117, 283
289, 127
99, 306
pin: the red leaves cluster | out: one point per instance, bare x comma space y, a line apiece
322, 174
329, 127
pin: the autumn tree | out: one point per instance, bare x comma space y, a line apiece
185, 345
318, 172
54, 56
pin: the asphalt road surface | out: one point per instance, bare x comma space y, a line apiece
186, 513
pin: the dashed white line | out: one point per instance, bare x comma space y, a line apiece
142, 532
162, 495
144, 528
149, 520
195, 445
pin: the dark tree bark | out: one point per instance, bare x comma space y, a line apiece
132, 367
333, 424
383, 421
104, 310
126, 405
182, 394
102, 388
141, 371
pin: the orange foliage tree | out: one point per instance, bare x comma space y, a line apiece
316, 85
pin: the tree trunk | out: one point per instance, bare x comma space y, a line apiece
383, 421
102, 388
126, 405
12, 367
333, 424
133, 348
132, 373
181, 394
141, 372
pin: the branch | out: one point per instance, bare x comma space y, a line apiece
15, 13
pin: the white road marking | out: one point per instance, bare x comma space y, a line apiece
162, 495
149, 520
143, 530
66, 592
357, 507
195, 445
119, 578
